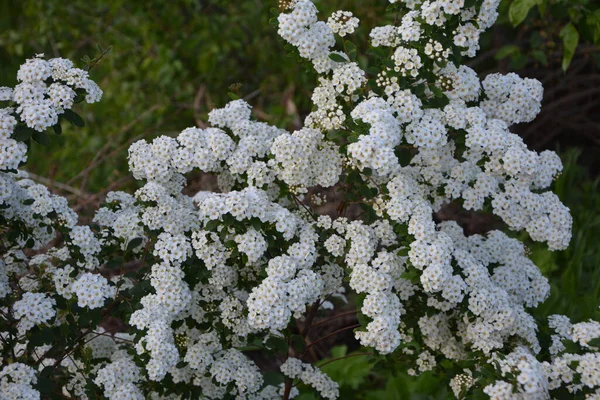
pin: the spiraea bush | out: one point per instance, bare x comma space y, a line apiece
195, 282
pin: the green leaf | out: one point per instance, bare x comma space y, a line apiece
133, 243
211, 225
115, 262
74, 118
519, 9
506, 51
57, 129
593, 21
233, 96
373, 71
437, 92
570, 38
45, 385
41, 337
540, 57
419, 90
41, 138
350, 49
332, 135
594, 342
337, 57
22, 133
277, 344
298, 342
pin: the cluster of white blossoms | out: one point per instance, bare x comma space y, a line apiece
313, 38
342, 23
33, 309
16, 382
197, 281
39, 104
577, 367
525, 370
91, 290
512, 98
294, 368
118, 378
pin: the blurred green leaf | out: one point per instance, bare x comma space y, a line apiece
519, 9
570, 38
593, 21
337, 57
506, 51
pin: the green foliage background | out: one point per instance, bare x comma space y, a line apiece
168, 63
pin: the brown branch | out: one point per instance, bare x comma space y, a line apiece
334, 318
329, 335
344, 357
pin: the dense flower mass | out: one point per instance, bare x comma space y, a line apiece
194, 282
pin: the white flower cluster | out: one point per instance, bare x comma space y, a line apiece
512, 98
471, 23
91, 290
33, 309
525, 370
342, 23
119, 379
222, 271
303, 160
578, 372
461, 383
306, 373
40, 104
312, 37
16, 382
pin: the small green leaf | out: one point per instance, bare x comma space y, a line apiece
22, 133
437, 92
133, 243
593, 21
419, 89
337, 57
211, 225
277, 344
298, 342
233, 96
74, 118
570, 38
594, 342
350, 49
540, 56
41, 138
506, 51
519, 9
57, 129
45, 385
373, 71
114, 263
332, 135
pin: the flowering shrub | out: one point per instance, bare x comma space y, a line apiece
197, 281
